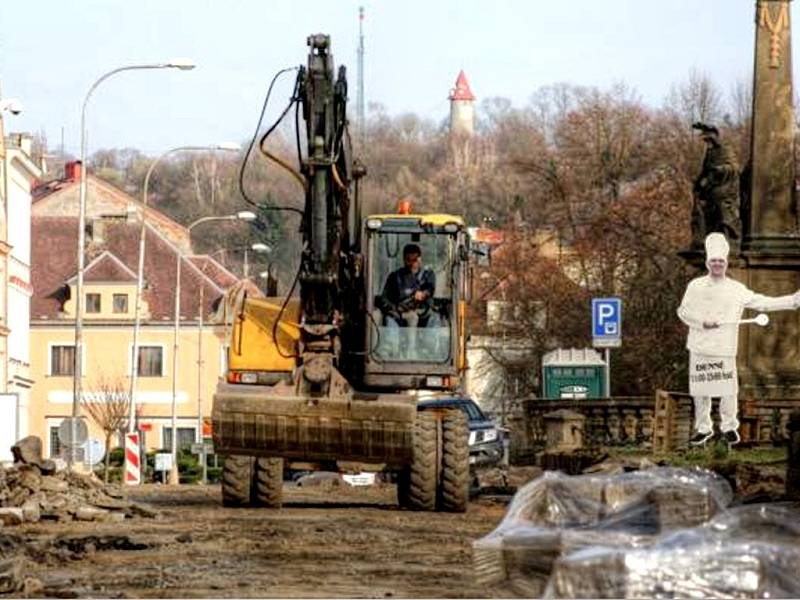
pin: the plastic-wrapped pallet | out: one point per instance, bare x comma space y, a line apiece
747, 552
558, 514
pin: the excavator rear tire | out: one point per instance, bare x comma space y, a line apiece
268, 482
237, 480
416, 486
454, 474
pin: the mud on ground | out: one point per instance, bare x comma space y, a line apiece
325, 542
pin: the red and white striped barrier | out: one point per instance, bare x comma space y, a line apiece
133, 468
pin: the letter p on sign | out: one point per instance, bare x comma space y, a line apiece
606, 321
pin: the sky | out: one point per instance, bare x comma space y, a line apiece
51, 51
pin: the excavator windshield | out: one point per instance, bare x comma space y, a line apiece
412, 294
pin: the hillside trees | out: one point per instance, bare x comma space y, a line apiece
604, 176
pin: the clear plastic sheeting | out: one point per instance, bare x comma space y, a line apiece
558, 515
747, 552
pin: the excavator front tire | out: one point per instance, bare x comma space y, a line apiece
237, 480
453, 493
268, 482
416, 486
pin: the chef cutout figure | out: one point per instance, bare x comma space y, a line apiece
712, 307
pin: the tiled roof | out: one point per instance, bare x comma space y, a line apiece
221, 276
54, 241
107, 268
461, 91
53, 263
60, 198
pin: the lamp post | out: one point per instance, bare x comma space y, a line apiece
243, 215
182, 64
140, 272
11, 105
257, 247
270, 282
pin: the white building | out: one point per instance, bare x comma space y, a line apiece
18, 175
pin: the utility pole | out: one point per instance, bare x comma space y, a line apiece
360, 106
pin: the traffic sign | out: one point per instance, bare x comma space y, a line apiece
163, 461
73, 431
94, 451
606, 322
201, 448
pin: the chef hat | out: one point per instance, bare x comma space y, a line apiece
717, 246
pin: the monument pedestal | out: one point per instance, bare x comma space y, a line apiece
769, 357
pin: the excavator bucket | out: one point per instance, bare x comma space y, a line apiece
276, 421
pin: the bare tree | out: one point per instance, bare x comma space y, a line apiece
108, 405
697, 99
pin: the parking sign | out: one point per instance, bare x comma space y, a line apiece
606, 322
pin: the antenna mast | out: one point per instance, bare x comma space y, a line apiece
361, 107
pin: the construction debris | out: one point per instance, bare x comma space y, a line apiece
35, 489
557, 515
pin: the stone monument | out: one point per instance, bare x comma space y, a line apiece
769, 357
716, 191
768, 259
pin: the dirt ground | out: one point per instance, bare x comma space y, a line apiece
325, 542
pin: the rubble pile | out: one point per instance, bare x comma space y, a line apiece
557, 515
35, 489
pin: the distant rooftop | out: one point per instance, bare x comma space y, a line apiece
461, 91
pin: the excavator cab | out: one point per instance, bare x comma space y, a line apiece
416, 279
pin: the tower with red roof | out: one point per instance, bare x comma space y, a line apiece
462, 107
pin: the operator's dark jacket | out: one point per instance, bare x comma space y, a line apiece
398, 293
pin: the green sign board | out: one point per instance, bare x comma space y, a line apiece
573, 381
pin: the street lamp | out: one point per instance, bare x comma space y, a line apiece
229, 146
242, 215
257, 247
11, 105
270, 282
182, 64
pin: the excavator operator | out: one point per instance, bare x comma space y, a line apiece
407, 298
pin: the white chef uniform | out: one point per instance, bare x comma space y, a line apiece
713, 351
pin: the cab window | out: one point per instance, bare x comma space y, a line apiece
412, 295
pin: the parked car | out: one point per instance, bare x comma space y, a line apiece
485, 439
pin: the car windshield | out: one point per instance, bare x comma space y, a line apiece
469, 408
473, 412
412, 295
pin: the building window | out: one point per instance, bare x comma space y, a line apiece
151, 361
62, 360
186, 437
120, 303
55, 443
92, 303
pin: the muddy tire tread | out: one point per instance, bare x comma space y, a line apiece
417, 483
454, 476
237, 481
268, 482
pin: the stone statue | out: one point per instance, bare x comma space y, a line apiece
716, 191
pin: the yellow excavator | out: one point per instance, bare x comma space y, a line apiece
331, 380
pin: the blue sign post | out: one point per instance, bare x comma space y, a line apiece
607, 330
